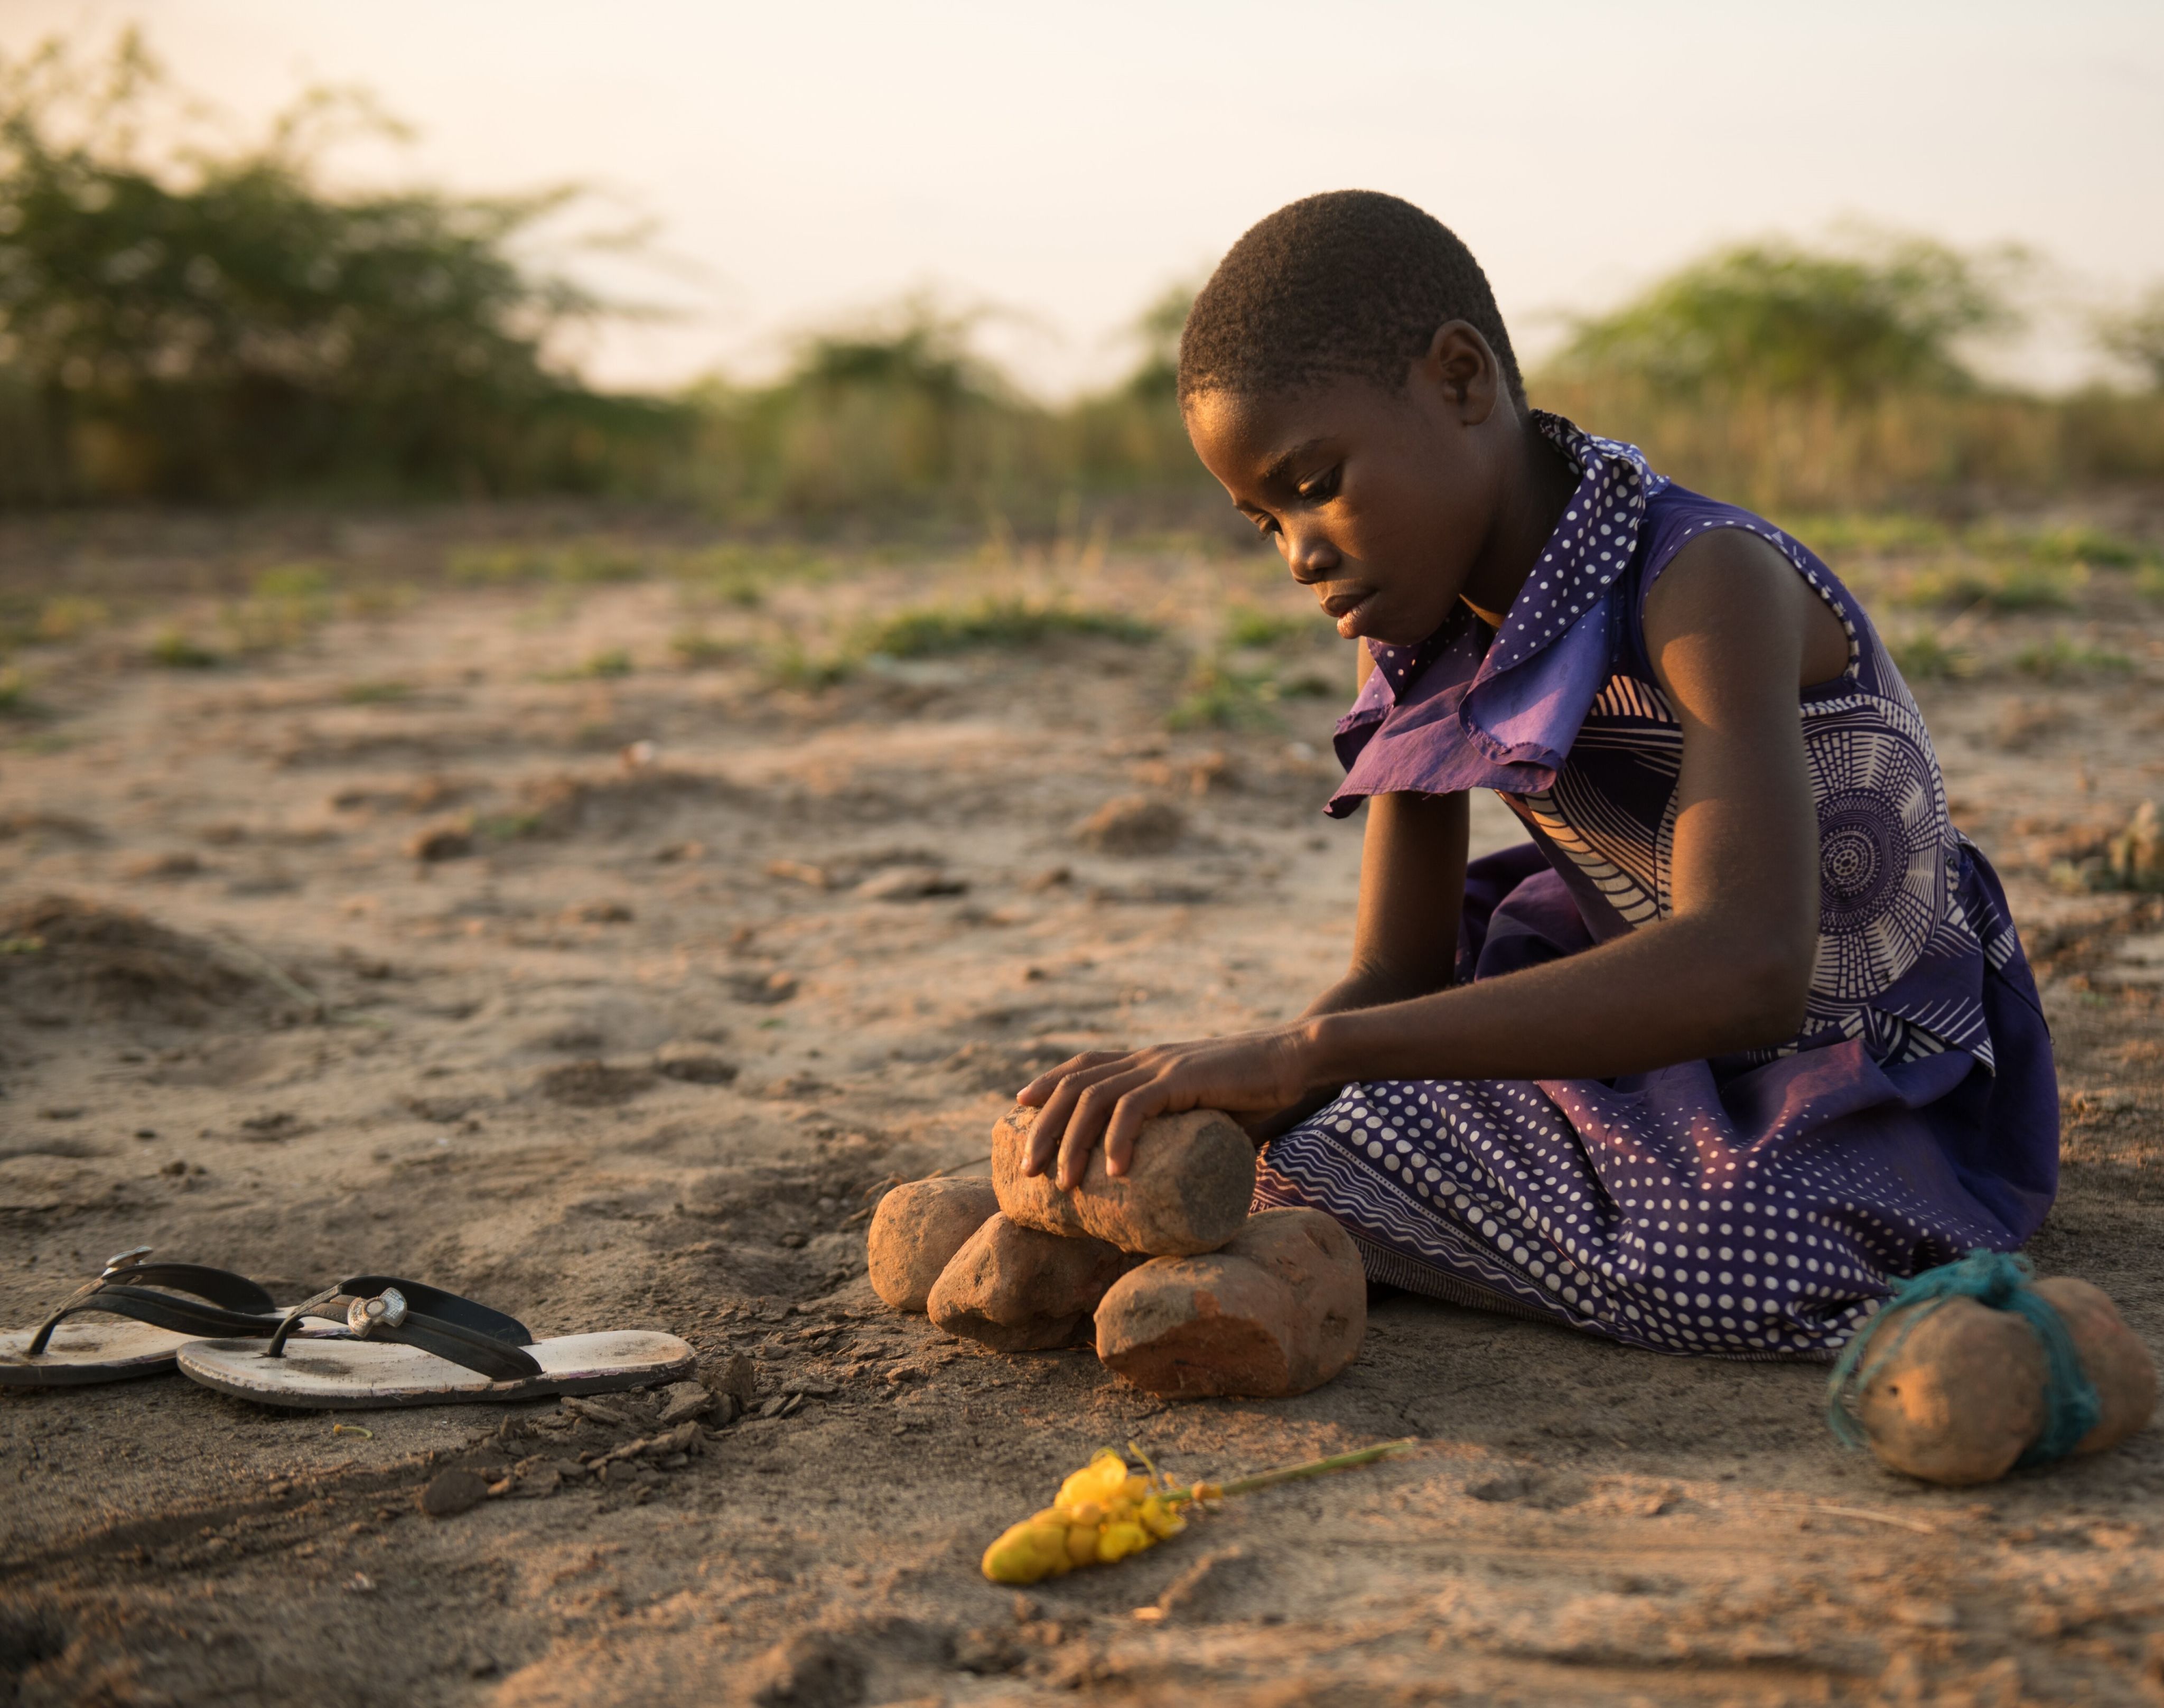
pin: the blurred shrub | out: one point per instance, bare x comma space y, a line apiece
217, 324
1775, 319
2136, 337
1791, 379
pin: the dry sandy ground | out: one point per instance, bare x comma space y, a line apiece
349, 1059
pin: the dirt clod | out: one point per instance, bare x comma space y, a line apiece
593, 1084
74, 959
440, 842
451, 1492
1133, 824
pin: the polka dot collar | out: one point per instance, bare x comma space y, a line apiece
1590, 547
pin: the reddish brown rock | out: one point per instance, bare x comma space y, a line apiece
918, 1229
1279, 1311
1187, 1189
1956, 1397
1960, 1397
2113, 1356
1015, 1289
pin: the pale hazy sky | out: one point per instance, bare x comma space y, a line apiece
809, 160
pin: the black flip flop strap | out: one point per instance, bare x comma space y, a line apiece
496, 1360
484, 1341
234, 1304
435, 1303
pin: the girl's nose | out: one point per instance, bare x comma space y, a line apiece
1310, 557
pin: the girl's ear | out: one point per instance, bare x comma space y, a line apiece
1459, 364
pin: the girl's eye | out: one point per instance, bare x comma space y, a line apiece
1322, 488
1267, 525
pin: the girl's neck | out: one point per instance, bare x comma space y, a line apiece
1537, 484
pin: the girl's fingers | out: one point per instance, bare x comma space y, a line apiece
1039, 1089
1058, 1109
1093, 1108
1148, 1100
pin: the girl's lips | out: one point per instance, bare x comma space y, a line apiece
1345, 608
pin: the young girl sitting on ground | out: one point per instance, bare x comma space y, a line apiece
1745, 1028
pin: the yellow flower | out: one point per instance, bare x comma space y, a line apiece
1120, 1540
1102, 1479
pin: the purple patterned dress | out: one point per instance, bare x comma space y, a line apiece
1748, 1206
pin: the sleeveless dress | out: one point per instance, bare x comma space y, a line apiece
1747, 1206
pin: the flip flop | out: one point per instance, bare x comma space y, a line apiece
411, 1344
61, 1354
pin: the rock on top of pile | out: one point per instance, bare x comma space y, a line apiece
1187, 1189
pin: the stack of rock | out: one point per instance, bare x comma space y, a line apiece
1185, 1292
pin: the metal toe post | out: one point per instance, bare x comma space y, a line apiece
387, 1309
276, 1347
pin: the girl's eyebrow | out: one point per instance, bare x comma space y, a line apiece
1280, 469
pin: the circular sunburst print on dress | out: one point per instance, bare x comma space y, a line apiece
1882, 849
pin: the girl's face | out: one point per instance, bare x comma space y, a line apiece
1384, 504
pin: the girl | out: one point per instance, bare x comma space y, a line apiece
1745, 1028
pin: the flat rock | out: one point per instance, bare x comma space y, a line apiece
1280, 1310
1187, 1189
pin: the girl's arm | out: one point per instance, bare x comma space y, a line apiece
1733, 632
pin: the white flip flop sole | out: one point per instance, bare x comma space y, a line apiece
340, 1375
109, 1350
106, 1349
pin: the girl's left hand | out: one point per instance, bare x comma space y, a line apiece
1108, 1094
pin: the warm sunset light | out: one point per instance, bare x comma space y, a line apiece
1170, 856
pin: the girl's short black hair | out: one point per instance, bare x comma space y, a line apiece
1349, 283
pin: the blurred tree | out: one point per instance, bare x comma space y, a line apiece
213, 324
1774, 318
2136, 337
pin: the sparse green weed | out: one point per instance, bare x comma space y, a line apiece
14, 693
740, 574
581, 563
1218, 696
1870, 533
69, 616
2090, 546
792, 664
697, 649
604, 665
1250, 626
375, 693
2004, 587
993, 623
2063, 657
176, 649
1926, 657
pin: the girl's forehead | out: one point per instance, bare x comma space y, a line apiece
1263, 427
